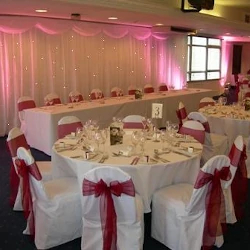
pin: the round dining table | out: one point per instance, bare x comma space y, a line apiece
160, 164
231, 120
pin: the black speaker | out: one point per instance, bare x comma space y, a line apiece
236, 65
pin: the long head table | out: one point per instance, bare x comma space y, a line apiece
41, 123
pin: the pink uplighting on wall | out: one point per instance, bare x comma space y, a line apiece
225, 62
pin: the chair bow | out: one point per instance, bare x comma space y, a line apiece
107, 209
13, 145
24, 171
205, 125
181, 115
28, 104
239, 186
215, 204
234, 155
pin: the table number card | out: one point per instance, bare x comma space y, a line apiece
157, 110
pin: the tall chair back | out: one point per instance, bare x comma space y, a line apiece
112, 211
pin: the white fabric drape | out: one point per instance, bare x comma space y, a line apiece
39, 56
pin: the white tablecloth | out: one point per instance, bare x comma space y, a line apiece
228, 120
41, 123
147, 177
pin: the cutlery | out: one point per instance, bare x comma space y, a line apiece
182, 153
76, 156
135, 161
160, 158
104, 157
91, 157
156, 151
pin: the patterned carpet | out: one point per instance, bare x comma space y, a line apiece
12, 223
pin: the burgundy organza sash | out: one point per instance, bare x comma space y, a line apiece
116, 93
239, 186
199, 135
13, 145
107, 209
148, 90
234, 156
135, 125
24, 171
53, 102
66, 129
163, 88
96, 95
215, 204
29, 104
131, 91
80, 98
205, 125
182, 115
17, 142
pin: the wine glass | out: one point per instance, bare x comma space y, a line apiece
51, 102
94, 125
168, 126
150, 127
224, 101
79, 131
135, 139
163, 138
144, 123
99, 139
104, 133
142, 140
175, 128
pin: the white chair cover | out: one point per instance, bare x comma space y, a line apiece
75, 96
24, 102
234, 156
15, 140
51, 99
56, 207
131, 90
148, 88
116, 92
163, 87
214, 144
181, 113
195, 129
129, 211
179, 211
96, 94
133, 122
206, 101
68, 124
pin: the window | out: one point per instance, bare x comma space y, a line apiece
204, 58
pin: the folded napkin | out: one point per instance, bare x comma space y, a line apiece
182, 152
124, 151
195, 145
173, 157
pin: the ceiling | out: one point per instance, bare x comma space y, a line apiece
228, 16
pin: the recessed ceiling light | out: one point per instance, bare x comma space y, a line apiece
112, 18
42, 11
159, 24
228, 33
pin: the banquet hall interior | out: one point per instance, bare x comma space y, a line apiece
102, 50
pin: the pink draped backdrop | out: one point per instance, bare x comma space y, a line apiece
39, 56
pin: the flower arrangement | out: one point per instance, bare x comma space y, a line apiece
138, 94
246, 103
